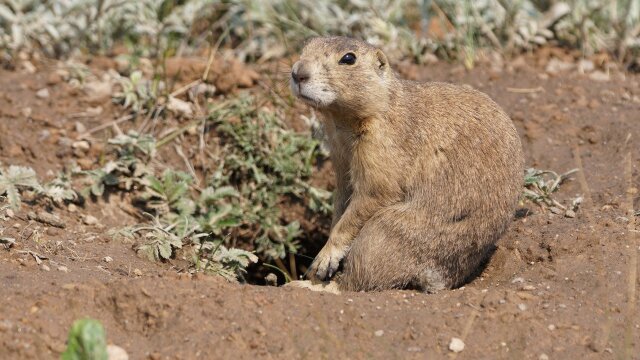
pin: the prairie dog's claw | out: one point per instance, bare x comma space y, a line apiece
327, 262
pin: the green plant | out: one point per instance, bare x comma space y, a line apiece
267, 163
87, 340
160, 240
539, 185
214, 258
132, 153
15, 178
139, 94
60, 189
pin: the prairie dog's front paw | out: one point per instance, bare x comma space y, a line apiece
326, 262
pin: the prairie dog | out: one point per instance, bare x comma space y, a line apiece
428, 175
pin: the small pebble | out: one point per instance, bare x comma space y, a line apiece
543, 357
271, 279
551, 327
556, 210
63, 269
456, 345
115, 352
72, 208
137, 272
108, 259
90, 220
570, 214
43, 93
522, 307
379, 333
517, 280
80, 128
44, 267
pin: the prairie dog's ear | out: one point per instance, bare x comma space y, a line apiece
382, 63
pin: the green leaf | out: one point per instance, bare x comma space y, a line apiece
86, 341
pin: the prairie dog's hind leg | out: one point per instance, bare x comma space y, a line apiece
389, 253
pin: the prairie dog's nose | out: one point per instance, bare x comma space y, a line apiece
299, 73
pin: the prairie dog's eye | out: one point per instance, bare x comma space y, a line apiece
348, 59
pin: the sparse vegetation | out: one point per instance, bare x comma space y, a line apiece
265, 30
539, 186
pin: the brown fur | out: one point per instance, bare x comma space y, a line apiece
428, 174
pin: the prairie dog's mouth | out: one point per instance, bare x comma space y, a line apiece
315, 95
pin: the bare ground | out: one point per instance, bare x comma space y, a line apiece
556, 287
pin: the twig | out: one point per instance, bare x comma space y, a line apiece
104, 126
213, 52
525, 90
167, 139
189, 166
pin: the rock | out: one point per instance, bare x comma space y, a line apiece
554, 14
43, 93
542, 356
327, 286
86, 163
556, 66
72, 208
28, 67
378, 333
80, 128
26, 112
44, 267
90, 220
115, 352
429, 59
54, 78
82, 145
63, 74
599, 76
585, 66
107, 259
517, 280
456, 345
180, 107
570, 213
271, 279
46, 218
63, 269
97, 92
202, 89
122, 64
522, 307
10, 214
556, 210
137, 272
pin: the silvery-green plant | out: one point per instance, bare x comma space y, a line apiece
15, 178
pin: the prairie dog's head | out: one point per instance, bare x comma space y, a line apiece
342, 75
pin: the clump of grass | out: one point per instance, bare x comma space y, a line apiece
540, 185
15, 180
267, 163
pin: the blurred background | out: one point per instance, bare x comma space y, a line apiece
263, 30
